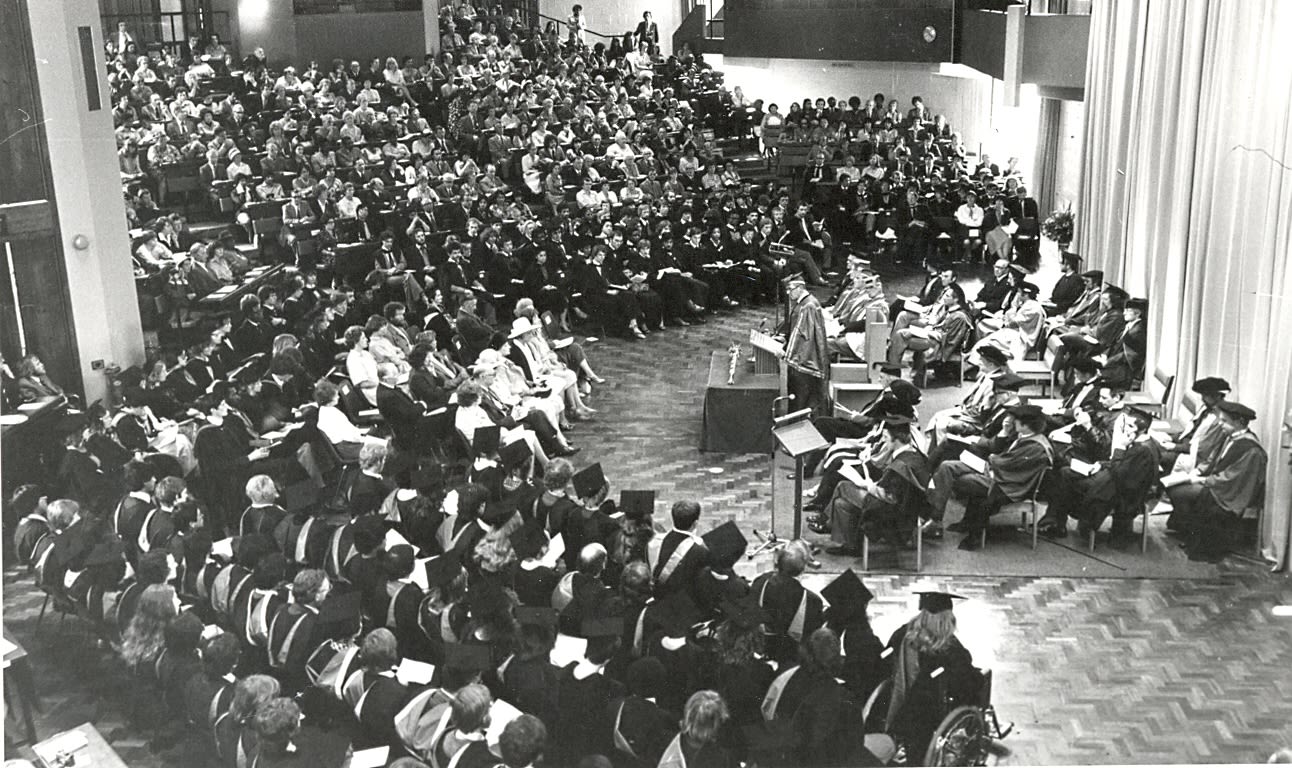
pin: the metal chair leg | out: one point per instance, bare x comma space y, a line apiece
43, 605
865, 552
919, 547
1143, 534
1036, 523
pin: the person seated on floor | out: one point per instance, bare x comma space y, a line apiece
887, 508
1209, 502
1009, 476
1021, 324
993, 363
1198, 444
1088, 491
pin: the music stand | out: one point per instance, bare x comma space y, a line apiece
795, 435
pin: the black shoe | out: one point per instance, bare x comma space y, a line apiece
971, 543
568, 450
1053, 531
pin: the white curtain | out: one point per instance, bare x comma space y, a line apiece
1187, 198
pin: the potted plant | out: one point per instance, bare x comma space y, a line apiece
1058, 226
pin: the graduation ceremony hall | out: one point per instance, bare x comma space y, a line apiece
645, 383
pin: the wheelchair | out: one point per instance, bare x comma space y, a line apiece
964, 735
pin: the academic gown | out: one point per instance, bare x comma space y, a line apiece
916, 705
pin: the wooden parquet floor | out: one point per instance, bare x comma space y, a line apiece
1091, 671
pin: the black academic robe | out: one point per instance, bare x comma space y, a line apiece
681, 571
582, 727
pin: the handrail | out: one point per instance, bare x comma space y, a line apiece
560, 24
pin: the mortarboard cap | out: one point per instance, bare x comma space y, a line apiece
1029, 288
993, 354
1094, 275
611, 626
1018, 268
905, 392
637, 505
847, 593
726, 544
467, 656
1115, 290
514, 454
890, 369
1026, 411
1143, 417
528, 540
485, 440
1084, 365
1139, 304
442, 570
1010, 382
589, 481
495, 513
1068, 257
1211, 385
1238, 410
937, 602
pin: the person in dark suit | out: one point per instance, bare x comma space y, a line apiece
255, 332
1070, 285
614, 305
1126, 357
936, 280
1022, 206
401, 412
473, 331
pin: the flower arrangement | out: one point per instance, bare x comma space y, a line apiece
1058, 226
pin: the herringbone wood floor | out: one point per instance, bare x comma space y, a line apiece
1091, 671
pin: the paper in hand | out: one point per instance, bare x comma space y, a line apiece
974, 462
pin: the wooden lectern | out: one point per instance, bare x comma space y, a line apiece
768, 354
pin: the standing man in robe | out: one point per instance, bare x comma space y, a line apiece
807, 355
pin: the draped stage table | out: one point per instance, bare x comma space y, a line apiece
738, 416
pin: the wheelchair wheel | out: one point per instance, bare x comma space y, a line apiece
960, 739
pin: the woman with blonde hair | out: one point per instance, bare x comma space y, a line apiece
146, 635
924, 647
235, 739
697, 744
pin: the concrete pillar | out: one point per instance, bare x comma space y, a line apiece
431, 25
87, 183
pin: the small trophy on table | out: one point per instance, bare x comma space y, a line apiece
734, 351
